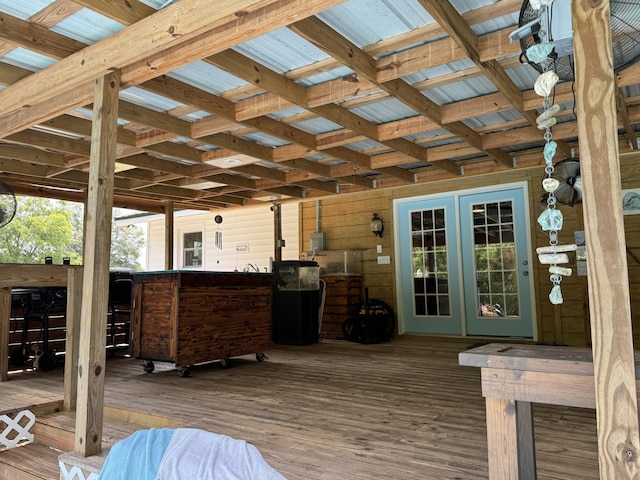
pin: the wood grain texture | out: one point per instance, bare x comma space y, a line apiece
97, 243
172, 25
401, 410
616, 398
502, 436
72, 338
5, 311
13, 275
191, 317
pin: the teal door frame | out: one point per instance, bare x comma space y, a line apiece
462, 318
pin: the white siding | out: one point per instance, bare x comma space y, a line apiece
155, 246
247, 238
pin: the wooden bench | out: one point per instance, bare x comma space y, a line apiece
513, 377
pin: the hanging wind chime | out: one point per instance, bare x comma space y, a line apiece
551, 219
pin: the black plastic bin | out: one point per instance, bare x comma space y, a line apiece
295, 302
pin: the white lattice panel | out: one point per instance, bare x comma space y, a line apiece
74, 472
16, 430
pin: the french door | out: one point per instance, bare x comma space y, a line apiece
464, 264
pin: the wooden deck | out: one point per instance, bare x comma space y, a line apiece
403, 410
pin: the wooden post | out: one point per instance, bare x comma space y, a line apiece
277, 232
168, 236
72, 337
91, 368
5, 312
613, 358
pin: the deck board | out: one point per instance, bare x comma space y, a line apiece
401, 410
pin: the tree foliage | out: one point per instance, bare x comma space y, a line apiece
53, 228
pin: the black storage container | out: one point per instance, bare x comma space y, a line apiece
296, 302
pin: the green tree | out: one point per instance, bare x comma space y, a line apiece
41, 228
126, 244
53, 228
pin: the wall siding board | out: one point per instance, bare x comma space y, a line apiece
345, 223
249, 226
346, 226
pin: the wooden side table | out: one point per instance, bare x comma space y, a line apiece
513, 377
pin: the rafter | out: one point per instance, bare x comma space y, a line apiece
170, 149
337, 46
449, 18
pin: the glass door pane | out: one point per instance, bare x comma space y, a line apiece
495, 262
429, 285
494, 252
430, 264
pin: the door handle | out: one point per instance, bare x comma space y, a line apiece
526, 273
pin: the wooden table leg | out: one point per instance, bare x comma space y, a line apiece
510, 441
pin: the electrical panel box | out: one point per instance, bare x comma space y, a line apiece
316, 241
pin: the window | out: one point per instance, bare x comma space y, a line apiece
430, 264
192, 249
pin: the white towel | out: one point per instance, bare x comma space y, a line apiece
197, 454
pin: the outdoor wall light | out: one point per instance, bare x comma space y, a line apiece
377, 227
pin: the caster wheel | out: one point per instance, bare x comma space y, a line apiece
184, 372
225, 363
47, 361
148, 366
261, 357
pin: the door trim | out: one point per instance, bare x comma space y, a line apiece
401, 314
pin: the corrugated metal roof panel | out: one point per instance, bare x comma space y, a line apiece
27, 59
427, 135
23, 9
365, 22
462, 90
495, 24
524, 76
287, 112
147, 99
157, 4
364, 145
264, 139
317, 126
207, 77
198, 115
87, 26
333, 74
385, 111
492, 119
282, 50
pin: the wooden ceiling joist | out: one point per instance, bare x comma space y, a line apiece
378, 74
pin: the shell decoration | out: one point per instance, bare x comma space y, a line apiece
549, 122
555, 296
549, 152
539, 52
550, 219
545, 83
548, 113
550, 184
